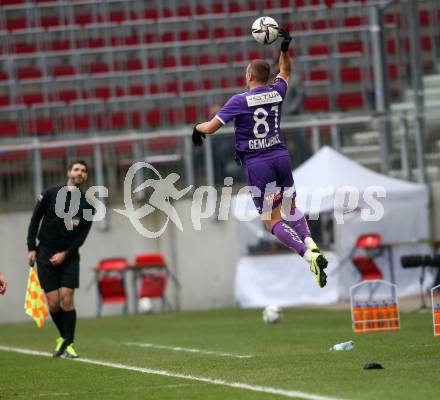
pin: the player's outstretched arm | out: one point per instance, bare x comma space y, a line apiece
205, 128
285, 64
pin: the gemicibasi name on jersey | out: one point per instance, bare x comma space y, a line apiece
263, 98
256, 144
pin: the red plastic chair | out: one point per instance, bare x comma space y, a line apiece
154, 274
370, 245
110, 277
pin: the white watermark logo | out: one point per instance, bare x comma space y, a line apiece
163, 191
344, 202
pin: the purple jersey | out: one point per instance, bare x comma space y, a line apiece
257, 121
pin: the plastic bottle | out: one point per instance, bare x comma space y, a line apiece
342, 346
368, 323
394, 316
437, 320
375, 316
357, 318
384, 313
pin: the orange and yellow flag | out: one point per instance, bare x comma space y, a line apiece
35, 304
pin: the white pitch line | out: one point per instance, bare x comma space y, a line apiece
186, 349
213, 381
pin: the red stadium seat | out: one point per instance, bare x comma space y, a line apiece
117, 16
351, 74
234, 7
29, 73
218, 8
40, 126
207, 84
186, 61
200, 9
355, 46
171, 87
317, 103
83, 19
3, 76
49, 21
99, 67
189, 86
60, 45
184, 11
136, 90
169, 62
67, 95
318, 75
24, 47
167, 37
219, 33
134, 65
205, 59
63, 70
9, 128
348, 101
151, 13
32, 98
153, 117
190, 114
4, 100
16, 24
393, 71
184, 36
319, 50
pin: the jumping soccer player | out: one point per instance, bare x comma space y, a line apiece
259, 147
56, 255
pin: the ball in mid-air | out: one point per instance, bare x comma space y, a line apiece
272, 314
265, 30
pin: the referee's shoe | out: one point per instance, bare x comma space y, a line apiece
60, 346
70, 352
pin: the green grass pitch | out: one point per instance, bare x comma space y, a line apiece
292, 355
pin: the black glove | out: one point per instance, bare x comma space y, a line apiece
282, 33
197, 137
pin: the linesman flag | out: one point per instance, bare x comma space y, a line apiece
34, 303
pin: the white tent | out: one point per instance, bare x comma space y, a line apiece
361, 201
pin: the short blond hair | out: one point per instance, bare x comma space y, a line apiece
260, 69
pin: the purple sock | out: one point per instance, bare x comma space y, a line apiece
299, 223
289, 237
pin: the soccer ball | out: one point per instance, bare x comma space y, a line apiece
265, 30
272, 314
145, 305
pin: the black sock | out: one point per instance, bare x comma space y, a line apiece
57, 318
69, 319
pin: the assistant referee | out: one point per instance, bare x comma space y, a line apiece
57, 256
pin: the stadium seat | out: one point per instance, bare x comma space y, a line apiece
351, 75
349, 101
153, 271
4, 100
317, 103
63, 70
40, 126
67, 95
153, 117
367, 268
29, 73
9, 128
29, 99
369, 244
110, 278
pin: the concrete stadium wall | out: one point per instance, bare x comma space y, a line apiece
203, 261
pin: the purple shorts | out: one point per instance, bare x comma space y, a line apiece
272, 177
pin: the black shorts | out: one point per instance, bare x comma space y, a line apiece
54, 277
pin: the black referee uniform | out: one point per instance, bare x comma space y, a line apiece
54, 237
